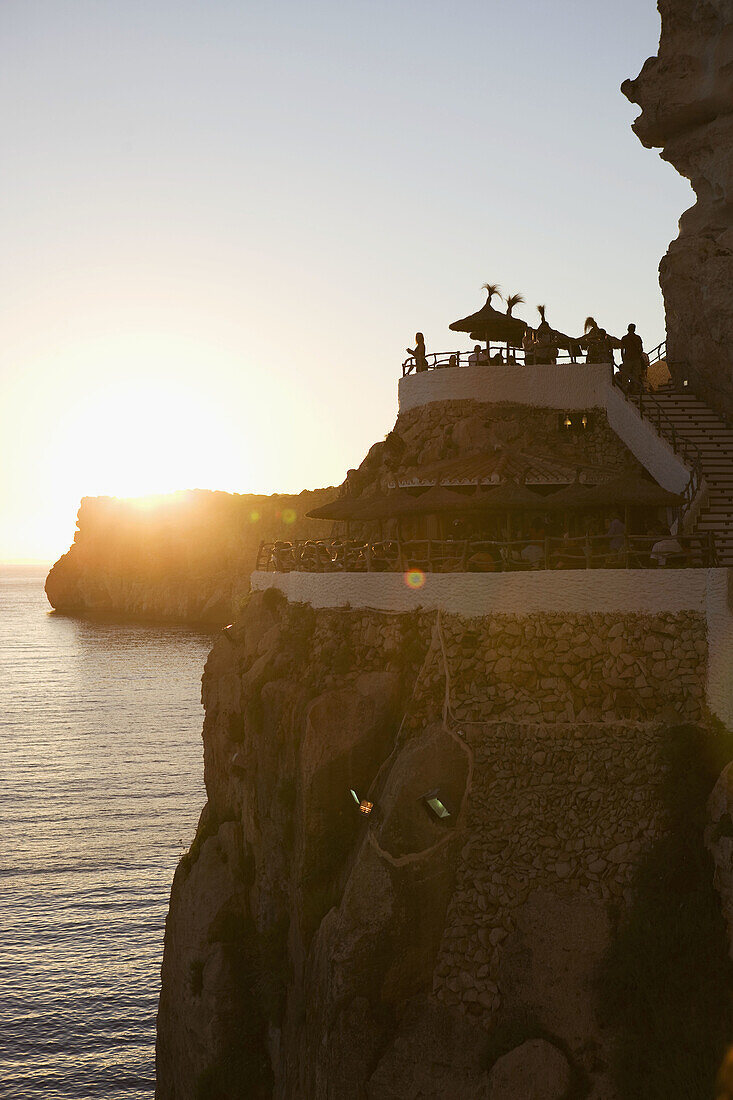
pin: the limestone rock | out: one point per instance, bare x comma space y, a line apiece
719, 842
536, 1070
686, 96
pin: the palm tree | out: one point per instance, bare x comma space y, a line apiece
511, 301
491, 289
541, 311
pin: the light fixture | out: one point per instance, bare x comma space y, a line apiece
567, 422
584, 420
365, 807
435, 805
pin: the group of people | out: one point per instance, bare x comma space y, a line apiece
600, 545
540, 347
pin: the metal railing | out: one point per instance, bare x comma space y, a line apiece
651, 410
487, 555
497, 355
657, 353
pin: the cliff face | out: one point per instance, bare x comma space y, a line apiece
186, 556
511, 949
686, 96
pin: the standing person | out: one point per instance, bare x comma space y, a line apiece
616, 532
421, 362
632, 356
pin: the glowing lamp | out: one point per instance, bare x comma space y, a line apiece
365, 807
435, 805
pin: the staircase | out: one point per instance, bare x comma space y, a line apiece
705, 442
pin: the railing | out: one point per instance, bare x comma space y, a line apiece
651, 410
497, 355
657, 353
486, 555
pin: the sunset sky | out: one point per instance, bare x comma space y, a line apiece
222, 223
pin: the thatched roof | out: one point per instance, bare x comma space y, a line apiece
631, 490
570, 496
509, 496
489, 324
343, 508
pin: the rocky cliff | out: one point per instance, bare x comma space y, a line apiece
555, 936
686, 96
186, 556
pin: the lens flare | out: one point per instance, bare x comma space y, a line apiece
289, 515
414, 578
254, 516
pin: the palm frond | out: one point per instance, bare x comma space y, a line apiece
541, 311
491, 289
589, 324
512, 301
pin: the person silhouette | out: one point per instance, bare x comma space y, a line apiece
421, 362
632, 356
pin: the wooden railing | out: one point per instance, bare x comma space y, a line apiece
486, 555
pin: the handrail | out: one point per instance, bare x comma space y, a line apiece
487, 555
657, 353
636, 394
497, 355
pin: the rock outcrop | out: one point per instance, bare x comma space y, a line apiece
184, 557
686, 96
315, 951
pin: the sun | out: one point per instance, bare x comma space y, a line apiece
142, 437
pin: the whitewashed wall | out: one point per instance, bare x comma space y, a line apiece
577, 591
616, 591
654, 453
566, 386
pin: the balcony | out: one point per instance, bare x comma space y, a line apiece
564, 385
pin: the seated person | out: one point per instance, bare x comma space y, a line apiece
666, 550
570, 554
487, 559
534, 552
498, 358
615, 533
452, 361
475, 356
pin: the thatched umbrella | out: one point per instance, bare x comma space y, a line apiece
489, 324
570, 496
437, 499
509, 496
345, 508
631, 491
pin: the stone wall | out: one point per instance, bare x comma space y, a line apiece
390, 952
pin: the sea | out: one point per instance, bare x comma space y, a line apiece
101, 785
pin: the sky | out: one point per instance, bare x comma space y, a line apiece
223, 222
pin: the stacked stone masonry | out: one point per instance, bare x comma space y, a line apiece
548, 731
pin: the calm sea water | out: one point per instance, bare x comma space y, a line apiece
100, 790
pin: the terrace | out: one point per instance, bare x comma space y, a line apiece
423, 556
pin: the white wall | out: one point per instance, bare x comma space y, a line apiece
566, 386
576, 591
581, 592
654, 453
